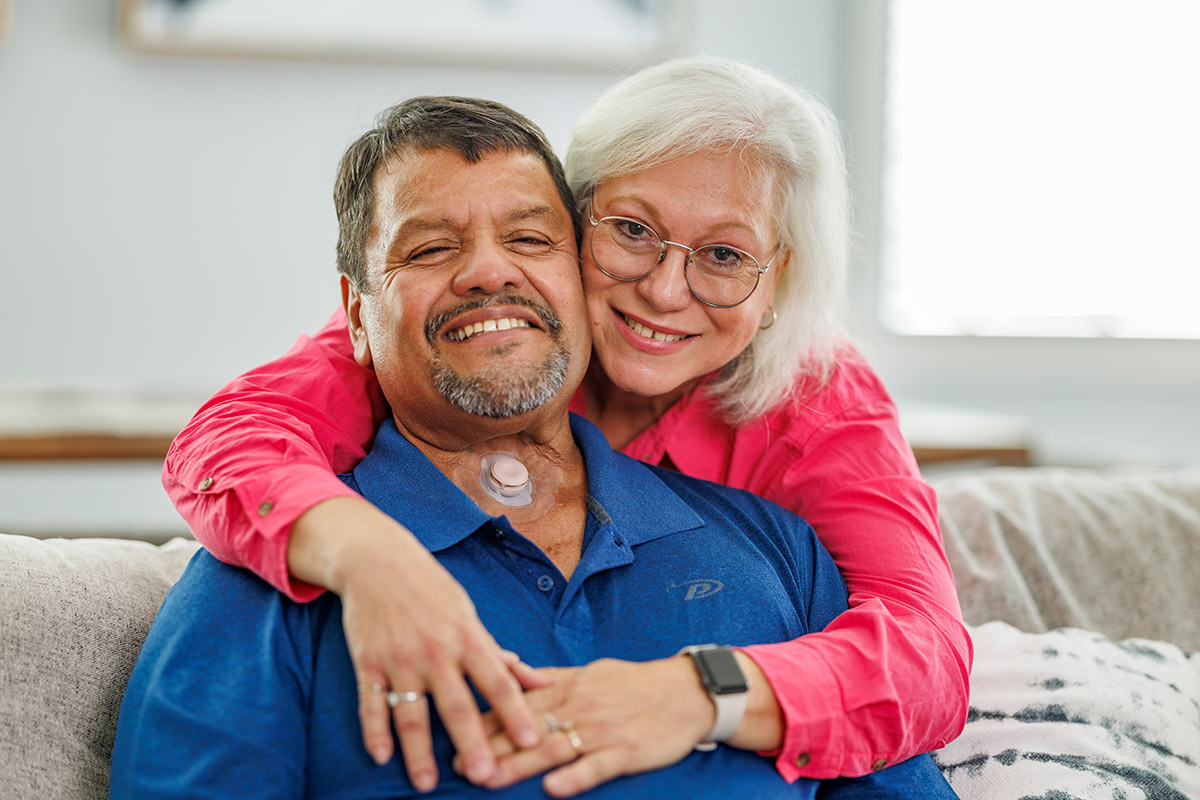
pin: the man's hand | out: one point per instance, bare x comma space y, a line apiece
411, 628
625, 717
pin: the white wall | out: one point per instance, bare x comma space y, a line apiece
167, 223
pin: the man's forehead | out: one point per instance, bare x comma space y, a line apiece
515, 183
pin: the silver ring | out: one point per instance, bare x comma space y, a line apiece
551, 723
396, 698
372, 688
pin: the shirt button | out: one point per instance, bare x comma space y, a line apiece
802, 760
265, 508
545, 583
879, 764
206, 484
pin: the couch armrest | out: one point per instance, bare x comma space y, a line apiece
74, 614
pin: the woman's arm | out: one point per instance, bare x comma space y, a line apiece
254, 475
888, 679
268, 447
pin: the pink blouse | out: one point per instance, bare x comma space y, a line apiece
886, 681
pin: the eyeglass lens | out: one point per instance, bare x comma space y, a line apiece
718, 274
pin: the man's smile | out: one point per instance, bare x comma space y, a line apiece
484, 326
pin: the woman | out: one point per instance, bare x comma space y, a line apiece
714, 213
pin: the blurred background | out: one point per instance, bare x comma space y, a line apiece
1025, 273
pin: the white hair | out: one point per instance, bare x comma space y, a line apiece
692, 105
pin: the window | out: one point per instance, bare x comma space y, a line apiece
1042, 169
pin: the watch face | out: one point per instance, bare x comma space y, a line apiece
719, 671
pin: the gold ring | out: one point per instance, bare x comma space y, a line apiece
574, 739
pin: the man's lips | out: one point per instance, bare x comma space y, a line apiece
491, 314
486, 326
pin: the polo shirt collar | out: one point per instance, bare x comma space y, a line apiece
399, 480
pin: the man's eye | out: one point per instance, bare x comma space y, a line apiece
431, 256
531, 245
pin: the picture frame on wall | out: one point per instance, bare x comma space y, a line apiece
597, 34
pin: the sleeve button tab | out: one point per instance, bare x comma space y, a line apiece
879, 764
265, 508
802, 760
206, 484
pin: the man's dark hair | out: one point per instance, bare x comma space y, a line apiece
472, 127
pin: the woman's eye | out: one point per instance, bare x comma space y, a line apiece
632, 230
725, 259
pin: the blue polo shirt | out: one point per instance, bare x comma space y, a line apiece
240, 692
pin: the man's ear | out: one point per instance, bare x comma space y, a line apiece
352, 302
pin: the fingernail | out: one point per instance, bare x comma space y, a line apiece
480, 771
424, 781
527, 737
380, 755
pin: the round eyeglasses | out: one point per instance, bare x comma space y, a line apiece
718, 275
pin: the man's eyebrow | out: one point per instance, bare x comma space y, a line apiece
534, 213
419, 225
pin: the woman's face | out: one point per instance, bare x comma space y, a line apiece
652, 336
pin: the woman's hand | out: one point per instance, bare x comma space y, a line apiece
606, 719
411, 628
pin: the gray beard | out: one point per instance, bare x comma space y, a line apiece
499, 391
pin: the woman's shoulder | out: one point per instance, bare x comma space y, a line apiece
851, 388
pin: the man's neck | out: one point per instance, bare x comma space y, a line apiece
554, 512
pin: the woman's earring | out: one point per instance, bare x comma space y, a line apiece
768, 318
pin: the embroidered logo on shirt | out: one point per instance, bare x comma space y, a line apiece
698, 588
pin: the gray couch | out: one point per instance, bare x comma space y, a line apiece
1057, 570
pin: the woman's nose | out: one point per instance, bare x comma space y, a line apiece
666, 288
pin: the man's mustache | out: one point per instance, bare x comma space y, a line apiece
549, 319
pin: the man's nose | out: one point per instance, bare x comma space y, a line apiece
666, 288
487, 267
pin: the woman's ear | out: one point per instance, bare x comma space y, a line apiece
352, 302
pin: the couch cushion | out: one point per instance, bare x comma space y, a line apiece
74, 614
1071, 714
1108, 551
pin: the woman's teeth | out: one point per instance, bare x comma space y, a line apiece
650, 333
467, 331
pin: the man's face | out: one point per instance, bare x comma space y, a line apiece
475, 303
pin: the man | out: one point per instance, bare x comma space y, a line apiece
466, 301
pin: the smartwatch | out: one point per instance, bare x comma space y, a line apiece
722, 678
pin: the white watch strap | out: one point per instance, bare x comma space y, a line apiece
730, 710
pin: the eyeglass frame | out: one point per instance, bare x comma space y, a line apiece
662, 256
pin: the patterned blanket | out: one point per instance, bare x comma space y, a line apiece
1071, 715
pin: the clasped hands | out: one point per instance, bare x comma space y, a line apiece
580, 725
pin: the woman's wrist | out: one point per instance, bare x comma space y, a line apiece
762, 726
328, 540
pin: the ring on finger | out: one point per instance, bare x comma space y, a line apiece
552, 723
573, 738
396, 698
370, 688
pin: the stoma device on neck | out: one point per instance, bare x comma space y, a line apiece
520, 484
505, 479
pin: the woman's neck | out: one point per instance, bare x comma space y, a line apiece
622, 415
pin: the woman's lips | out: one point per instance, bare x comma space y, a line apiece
640, 333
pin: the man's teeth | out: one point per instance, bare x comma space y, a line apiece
467, 331
649, 333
